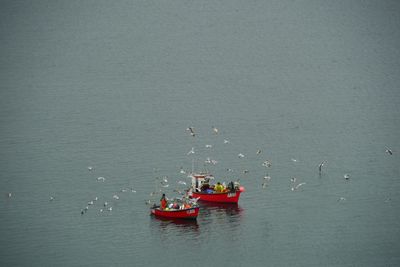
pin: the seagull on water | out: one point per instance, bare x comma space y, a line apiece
389, 151
209, 146
226, 141
321, 165
102, 179
190, 129
215, 130
267, 164
346, 176
240, 155
258, 152
90, 168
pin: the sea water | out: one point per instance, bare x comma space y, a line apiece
113, 85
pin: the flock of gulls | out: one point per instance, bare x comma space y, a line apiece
106, 205
161, 182
295, 184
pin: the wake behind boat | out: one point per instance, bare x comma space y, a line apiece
204, 191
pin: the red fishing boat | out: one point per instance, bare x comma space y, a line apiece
187, 214
202, 190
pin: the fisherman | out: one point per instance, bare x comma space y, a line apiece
218, 187
163, 202
231, 187
205, 185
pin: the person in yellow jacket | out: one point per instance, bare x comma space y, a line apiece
218, 187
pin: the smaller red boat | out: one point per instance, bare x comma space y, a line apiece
228, 195
187, 214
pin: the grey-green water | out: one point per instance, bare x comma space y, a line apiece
114, 85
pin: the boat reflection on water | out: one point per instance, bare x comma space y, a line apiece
225, 215
232, 209
178, 225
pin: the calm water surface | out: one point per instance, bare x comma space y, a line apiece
114, 85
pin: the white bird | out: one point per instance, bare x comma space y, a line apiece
298, 186
182, 171
9, 195
165, 179
191, 131
267, 164
110, 209
210, 161
101, 210
96, 198
258, 152
267, 178
115, 197
209, 146
191, 151
215, 130
226, 141
294, 160
51, 198
182, 182
90, 168
293, 180
342, 199
102, 179
90, 203
346, 176
229, 170
321, 165
240, 155
389, 151
105, 204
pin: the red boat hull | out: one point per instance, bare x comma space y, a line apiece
227, 197
187, 214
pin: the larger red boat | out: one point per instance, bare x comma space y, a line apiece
230, 194
188, 214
